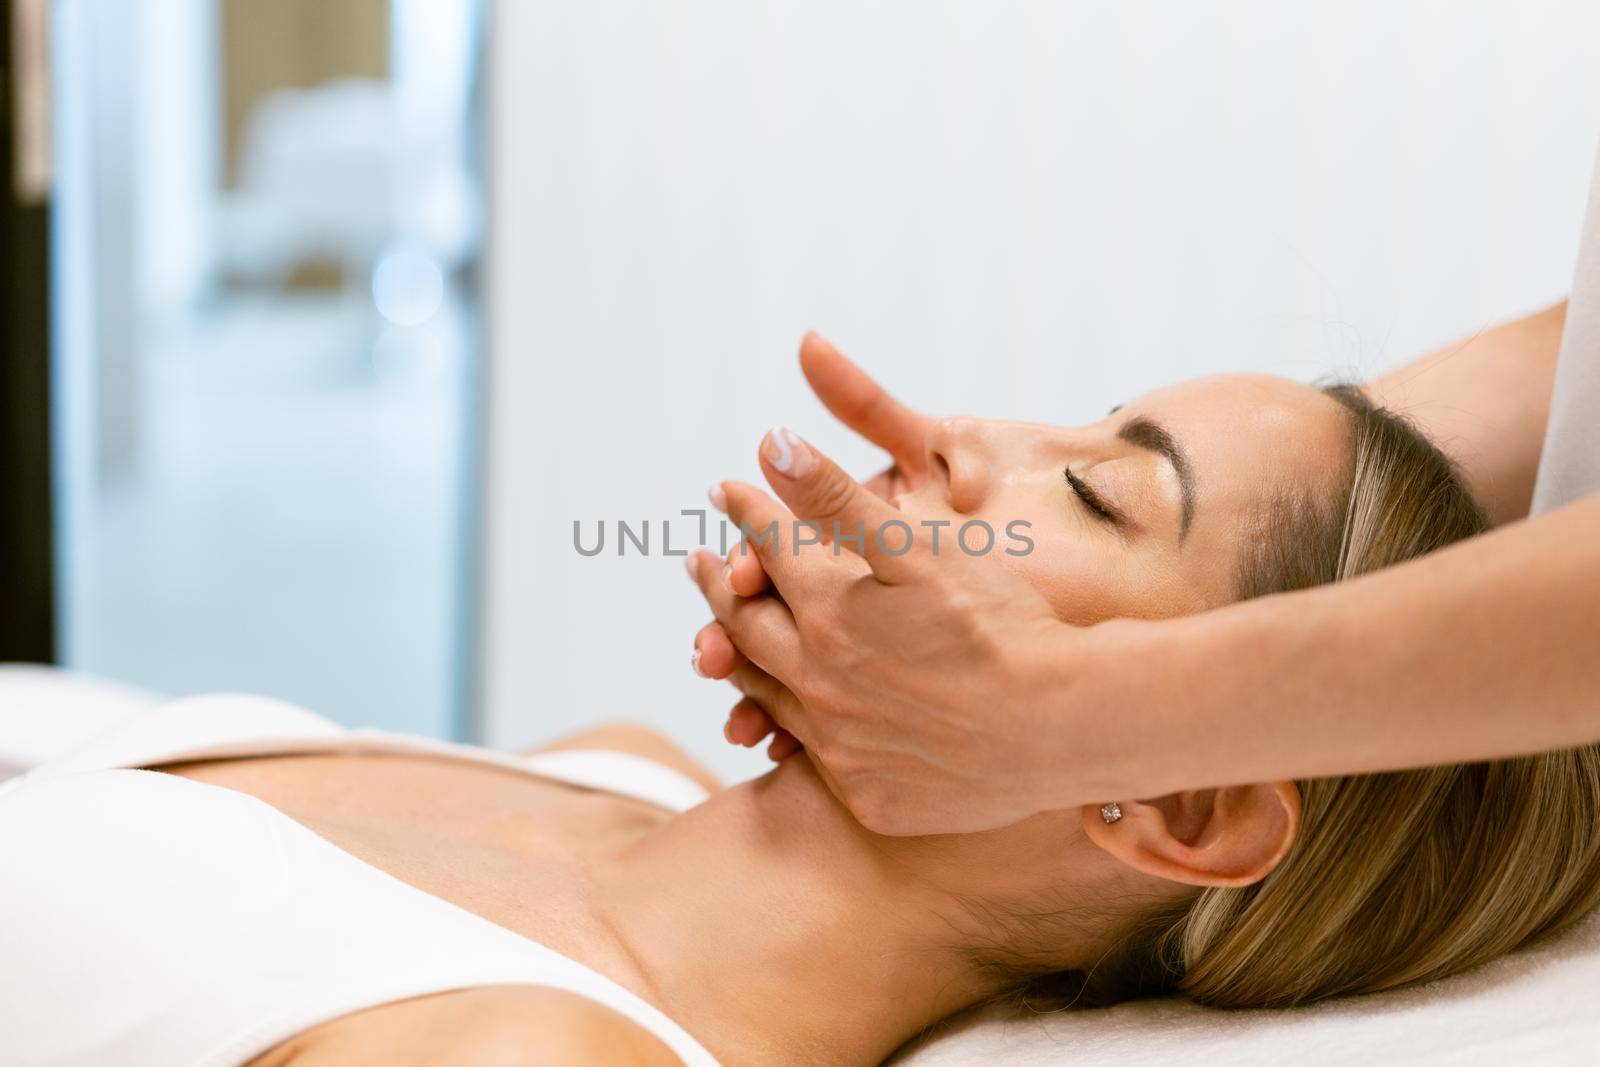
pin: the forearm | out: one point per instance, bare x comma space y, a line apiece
1490, 648
1485, 400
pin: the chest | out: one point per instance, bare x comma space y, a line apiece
513, 849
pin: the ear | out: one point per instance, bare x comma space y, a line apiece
1207, 837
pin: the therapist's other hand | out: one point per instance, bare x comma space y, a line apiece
902, 675
856, 399
715, 657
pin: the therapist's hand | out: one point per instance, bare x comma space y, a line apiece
914, 680
858, 401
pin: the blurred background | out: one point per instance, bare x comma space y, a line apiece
268, 220
326, 319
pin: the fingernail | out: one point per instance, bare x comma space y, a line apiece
691, 563
787, 453
718, 498
727, 577
727, 732
694, 662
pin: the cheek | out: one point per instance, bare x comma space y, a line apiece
1088, 575
1085, 582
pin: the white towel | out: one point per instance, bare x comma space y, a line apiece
1539, 1006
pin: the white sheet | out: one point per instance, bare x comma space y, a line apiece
1541, 1006
45, 711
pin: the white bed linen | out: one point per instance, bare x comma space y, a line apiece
1540, 1006
45, 711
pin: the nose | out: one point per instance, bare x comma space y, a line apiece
958, 448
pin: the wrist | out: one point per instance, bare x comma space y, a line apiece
1089, 694
1138, 708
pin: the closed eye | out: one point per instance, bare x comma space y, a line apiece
1091, 499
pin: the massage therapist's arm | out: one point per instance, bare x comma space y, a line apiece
1485, 400
1486, 649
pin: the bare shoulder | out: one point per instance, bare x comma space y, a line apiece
637, 740
496, 1026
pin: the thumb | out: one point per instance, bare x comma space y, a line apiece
817, 489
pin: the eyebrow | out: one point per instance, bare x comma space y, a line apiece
1147, 434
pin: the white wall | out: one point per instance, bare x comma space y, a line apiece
1022, 209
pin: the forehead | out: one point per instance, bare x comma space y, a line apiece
1251, 439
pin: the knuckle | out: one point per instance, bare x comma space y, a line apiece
822, 632
813, 700
832, 494
812, 627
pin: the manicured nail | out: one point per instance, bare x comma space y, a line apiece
787, 453
691, 563
727, 577
694, 662
718, 498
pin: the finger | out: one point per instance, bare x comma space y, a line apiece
772, 697
790, 552
765, 690
858, 401
784, 744
747, 724
714, 654
761, 628
746, 574
817, 489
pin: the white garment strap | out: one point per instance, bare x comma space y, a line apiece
1570, 465
235, 726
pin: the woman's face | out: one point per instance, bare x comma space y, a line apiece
1146, 512
1164, 493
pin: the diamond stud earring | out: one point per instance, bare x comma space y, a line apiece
1111, 812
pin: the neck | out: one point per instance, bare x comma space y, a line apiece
775, 929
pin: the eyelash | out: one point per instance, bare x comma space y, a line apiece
1090, 498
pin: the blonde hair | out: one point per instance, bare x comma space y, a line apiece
1394, 878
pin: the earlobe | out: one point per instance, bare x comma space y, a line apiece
1208, 837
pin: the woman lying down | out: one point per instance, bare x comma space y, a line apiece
230, 880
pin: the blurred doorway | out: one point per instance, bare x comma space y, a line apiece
27, 610
266, 332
